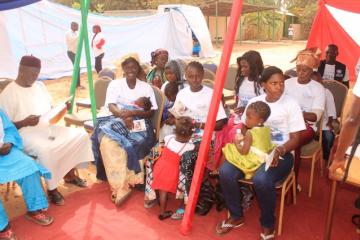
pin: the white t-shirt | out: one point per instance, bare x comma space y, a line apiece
285, 118
356, 89
329, 73
97, 39
167, 82
246, 92
71, 40
330, 109
2, 134
19, 102
120, 94
310, 96
199, 103
357, 68
176, 146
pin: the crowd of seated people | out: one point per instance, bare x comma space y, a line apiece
271, 114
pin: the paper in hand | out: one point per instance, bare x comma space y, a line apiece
54, 112
269, 159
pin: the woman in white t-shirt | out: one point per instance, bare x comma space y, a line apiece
97, 44
309, 94
118, 147
192, 101
285, 122
247, 86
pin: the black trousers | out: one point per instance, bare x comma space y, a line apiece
71, 55
98, 62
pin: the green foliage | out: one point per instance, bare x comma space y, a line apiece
305, 10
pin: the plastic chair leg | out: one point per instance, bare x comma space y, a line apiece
313, 161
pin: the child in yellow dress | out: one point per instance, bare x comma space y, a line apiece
249, 152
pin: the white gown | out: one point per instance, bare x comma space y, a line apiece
70, 147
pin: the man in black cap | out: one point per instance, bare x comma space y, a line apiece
60, 149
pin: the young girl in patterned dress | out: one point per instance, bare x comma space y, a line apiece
166, 169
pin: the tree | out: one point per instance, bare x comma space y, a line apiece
305, 10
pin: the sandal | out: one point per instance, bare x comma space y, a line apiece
78, 182
223, 227
267, 237
149, 203
56, 198
165, 215
178, 215
8, 235
119, 201
40, 218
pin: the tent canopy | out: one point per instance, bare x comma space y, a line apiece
336, 23
11, 4
40, 28
225, 6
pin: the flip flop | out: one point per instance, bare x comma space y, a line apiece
267, 237
119, 201
223, 227
165, 215
178, 215
149, 203
40, 218
78, 182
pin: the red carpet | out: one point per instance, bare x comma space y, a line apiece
89, 214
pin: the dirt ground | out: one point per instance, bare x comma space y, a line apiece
273, 53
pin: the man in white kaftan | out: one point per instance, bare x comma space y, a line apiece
58, 148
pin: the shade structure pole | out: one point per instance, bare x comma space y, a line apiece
186, 223
84, 13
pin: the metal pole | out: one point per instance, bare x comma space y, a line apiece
186, 223
273, 23
258, 26
216, 23
84, 13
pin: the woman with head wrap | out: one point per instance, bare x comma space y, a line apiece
158, 58
174, 73
309, 94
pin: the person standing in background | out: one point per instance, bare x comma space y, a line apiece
331, 69
97, 45
291, 32
72, 37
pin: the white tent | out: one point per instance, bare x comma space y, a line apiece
39, 29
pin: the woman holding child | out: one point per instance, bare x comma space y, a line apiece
117, 147
285, 122
193, 101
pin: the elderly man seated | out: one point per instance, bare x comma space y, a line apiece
58, 148
16, 166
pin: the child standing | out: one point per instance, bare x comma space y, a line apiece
158, 59
166, 169
250, 152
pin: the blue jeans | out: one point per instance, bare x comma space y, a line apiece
327, 143
264, 184
34, 197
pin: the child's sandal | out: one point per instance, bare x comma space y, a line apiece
165, 215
